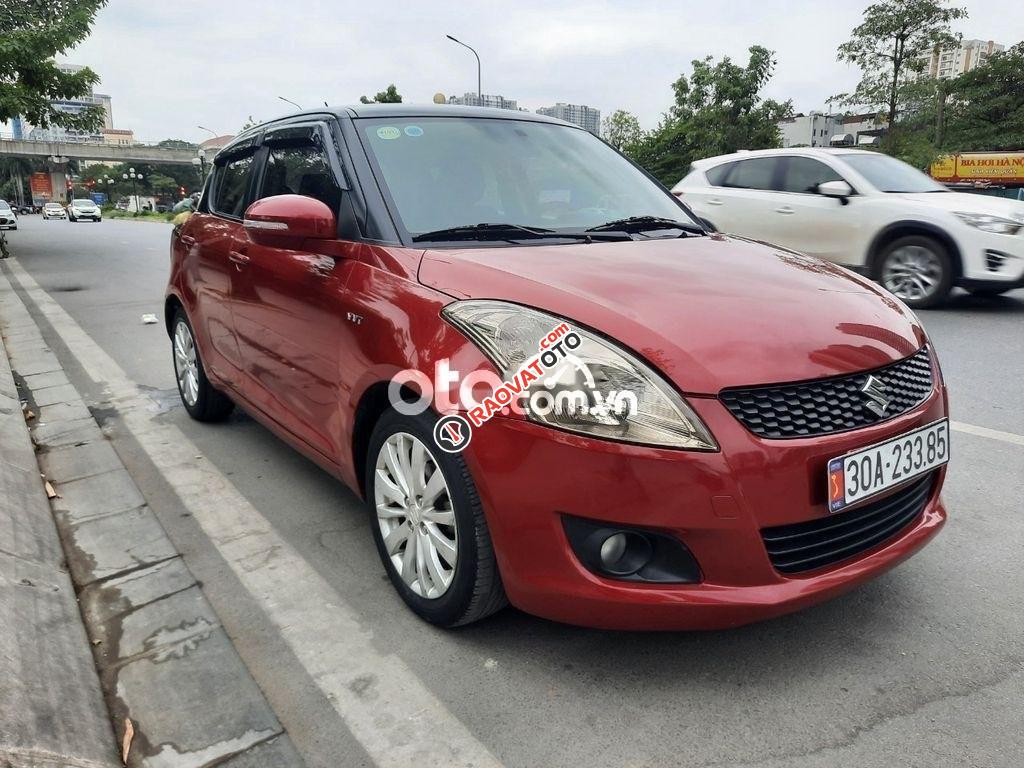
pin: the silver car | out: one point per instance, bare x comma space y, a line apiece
8, 218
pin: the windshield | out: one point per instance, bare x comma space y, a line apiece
4, 206
83, 204
452, 172
887, 174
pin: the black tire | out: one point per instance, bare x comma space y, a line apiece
475, 590
988, 292
943, 262
210, 404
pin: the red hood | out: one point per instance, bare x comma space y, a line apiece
709, 312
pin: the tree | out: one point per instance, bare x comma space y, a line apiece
388, 96
34, 31
718, 109
622, 130
985, 110
890, 44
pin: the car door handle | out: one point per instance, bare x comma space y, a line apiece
188, 240
714, 201
786, 210
239, 258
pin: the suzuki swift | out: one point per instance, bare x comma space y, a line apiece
549, 383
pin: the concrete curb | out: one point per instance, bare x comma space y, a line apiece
164, 661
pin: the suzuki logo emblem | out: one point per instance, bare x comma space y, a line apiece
876, 402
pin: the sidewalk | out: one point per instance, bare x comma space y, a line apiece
165, 663
51, 707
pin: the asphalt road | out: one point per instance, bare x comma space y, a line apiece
922, 667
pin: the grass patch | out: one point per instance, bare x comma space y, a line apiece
141, 216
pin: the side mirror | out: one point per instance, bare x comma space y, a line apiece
285, 221
839, 189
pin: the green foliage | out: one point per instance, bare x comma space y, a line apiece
177, 144
889, 45
34, 31
986, 105
622, 130
388, 96
717, 110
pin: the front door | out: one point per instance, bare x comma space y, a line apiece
286, 307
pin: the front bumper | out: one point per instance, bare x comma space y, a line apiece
978, 267
529, 476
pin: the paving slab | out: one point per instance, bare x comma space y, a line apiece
112, 544
53, 395
49, 692
175, 622
41, 381
15, 444
75, 462
107, 600
26, 525
62, 412
276, 753
191, 703
44, 363
95, 496
56, 434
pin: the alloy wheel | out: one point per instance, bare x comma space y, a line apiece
186, 365
415, 515
912, 272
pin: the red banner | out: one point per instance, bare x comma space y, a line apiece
42, 187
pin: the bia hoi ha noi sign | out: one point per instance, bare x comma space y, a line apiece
996, 167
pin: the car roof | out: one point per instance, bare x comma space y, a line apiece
802, 151
402, 110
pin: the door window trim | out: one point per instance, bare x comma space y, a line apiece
785, 170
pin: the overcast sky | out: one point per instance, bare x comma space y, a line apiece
171, 66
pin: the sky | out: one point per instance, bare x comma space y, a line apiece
173, 66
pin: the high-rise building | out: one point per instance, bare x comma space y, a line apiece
946, 63
74, 107
579, 114
484, 100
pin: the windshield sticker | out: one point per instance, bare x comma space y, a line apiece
413, 130
388, 132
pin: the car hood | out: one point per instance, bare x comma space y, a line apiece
709, 312
969, 203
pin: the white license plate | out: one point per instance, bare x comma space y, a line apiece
869, 471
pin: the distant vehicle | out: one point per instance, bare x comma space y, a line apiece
162, 208
8, 218
868, 211
83, 209
26, 209
54, 211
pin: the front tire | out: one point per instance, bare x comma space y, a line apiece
917, 269
428, 524
201, 400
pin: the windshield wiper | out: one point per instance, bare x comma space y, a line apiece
643, 223
485, 231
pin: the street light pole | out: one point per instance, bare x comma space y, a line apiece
204, 128
479, 91
282, 98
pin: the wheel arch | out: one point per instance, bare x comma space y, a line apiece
171, 306
900, 229
373, 404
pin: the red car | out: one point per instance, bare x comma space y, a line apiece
549, 383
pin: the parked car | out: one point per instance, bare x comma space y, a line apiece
84, 209
787, 436
54, 211
8, 218
868, 211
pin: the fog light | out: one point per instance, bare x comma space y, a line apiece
630, 554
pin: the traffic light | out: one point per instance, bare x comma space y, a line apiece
181, 191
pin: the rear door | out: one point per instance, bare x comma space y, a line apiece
812, 223
215, 233
287, 302
743, 203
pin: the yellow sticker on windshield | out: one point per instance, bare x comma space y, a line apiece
388, 132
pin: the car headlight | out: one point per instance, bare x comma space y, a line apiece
586, 388
986, 223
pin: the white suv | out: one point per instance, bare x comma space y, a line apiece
867, 211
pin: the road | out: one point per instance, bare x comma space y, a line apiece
922, 667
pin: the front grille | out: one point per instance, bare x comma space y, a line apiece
814, 544
830, 405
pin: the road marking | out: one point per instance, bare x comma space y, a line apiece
398, 721
992, 434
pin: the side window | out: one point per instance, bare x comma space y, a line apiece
804, 174
756, 173
716, 176
230, 186
300, 170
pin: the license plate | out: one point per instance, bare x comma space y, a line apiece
869, 471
